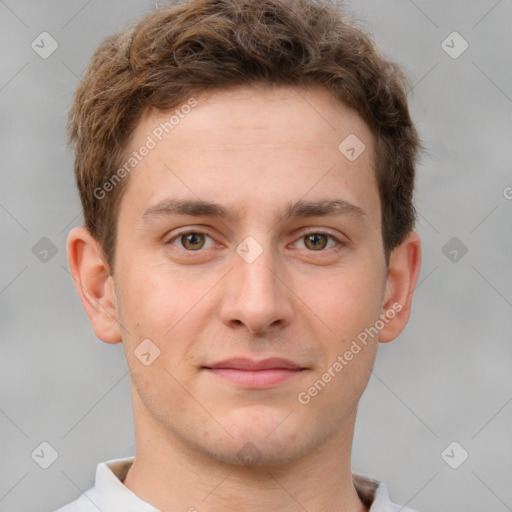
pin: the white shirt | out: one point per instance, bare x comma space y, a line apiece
108, 494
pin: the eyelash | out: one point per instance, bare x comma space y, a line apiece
197, 232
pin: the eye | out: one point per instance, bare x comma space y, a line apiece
318, 241
191, 240
194, 241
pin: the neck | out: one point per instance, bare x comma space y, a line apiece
171, 475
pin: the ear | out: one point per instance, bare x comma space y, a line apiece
403, 271
94, 284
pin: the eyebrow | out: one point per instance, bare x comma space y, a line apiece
299, 209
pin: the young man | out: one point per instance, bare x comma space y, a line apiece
246, 170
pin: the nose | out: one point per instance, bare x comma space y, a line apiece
256, 295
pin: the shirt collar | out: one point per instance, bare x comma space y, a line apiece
113, 495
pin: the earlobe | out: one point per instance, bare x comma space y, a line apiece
403, 272
94, 284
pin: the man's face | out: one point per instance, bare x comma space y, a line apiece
257, 284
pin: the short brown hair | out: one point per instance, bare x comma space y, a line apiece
194, 46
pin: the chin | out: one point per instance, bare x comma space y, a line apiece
270, 444
255, 454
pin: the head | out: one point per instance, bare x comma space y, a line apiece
246, 171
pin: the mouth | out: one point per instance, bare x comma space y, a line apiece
255, 374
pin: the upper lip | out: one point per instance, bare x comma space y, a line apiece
249, 364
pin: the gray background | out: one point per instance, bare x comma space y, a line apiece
447, 378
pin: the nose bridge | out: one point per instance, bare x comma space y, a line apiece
256, 297
256, 272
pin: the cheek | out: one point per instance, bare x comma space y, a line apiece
154, 299
348, 300
166, 307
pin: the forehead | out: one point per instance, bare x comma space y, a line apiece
255, 144
266, 113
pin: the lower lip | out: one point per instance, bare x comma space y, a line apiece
255, 378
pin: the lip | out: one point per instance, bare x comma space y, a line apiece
242, 363
255, 374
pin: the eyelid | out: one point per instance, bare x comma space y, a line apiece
318, 231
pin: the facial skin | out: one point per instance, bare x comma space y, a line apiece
253, 151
